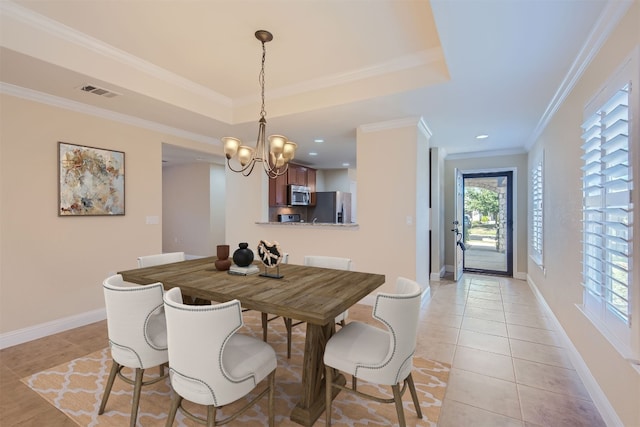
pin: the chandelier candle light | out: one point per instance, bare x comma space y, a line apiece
275, 154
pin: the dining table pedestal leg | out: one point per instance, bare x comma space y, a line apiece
312, 401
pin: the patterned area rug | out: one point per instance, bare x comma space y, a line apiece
76, 389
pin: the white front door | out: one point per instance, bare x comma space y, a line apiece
457, 227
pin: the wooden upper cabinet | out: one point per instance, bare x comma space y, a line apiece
311, 179
278, 191
311, 182
296, 175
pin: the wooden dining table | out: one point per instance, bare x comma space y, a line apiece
310, 294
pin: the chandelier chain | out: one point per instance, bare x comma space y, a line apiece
263, 112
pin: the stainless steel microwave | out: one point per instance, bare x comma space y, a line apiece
298, 195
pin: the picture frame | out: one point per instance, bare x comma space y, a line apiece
91, 181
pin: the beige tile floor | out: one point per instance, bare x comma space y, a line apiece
508, 364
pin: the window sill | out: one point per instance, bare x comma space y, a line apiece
538, 262
622, 348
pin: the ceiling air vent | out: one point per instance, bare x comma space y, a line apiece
99, 91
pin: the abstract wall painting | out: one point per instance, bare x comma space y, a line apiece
90, 181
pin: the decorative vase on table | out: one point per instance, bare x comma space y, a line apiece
243, 256
223, 262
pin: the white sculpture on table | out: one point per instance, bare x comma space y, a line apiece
270, 255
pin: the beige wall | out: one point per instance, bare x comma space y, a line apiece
336, 180
55, 265
193, 208
517, 163
439, 232
562, 226
218, 195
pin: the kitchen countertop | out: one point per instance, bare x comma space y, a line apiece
309, 224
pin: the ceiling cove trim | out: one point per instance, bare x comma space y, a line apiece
396, 124
57, 29
613, 11
414, 60
424, 128
489, 153
78, 107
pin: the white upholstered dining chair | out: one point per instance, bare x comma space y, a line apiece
210, 363
337, 263
137, 334
159, 259
379, 356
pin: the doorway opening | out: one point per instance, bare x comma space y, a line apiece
488, 223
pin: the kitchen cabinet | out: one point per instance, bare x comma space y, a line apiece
278, 191
311, 183
311, 179
296, 175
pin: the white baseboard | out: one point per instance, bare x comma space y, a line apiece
31, 333
520, 276
600, 400
426, 296
437, 276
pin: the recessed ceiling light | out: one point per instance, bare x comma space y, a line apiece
313, 153
318, 140
482, 136
346, 164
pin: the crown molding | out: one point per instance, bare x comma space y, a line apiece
489, 153
55, 101
424, 128
405, 62
56, 29
396, 124
613, 11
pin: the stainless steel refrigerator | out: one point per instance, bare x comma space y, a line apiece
332, 206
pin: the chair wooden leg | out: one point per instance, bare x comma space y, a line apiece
328, 381
107, 389
265, 322
289, 325
414, 395
272, 392
137, 387
397, 396
211, 416
175, 403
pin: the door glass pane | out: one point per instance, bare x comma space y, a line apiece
486, 233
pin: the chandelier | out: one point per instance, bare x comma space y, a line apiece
275, 154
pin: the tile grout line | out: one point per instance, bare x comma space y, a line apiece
513, 365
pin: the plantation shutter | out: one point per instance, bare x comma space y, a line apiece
607, 208
537, 232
